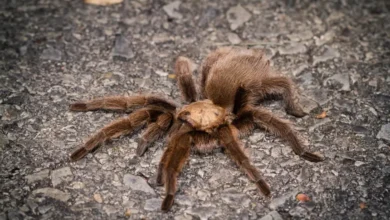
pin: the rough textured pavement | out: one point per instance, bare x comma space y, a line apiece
58, 51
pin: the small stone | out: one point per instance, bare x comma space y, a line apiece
340, 80
256, 137
52, 193
77, 185
161, 73
276, 152
209, 14
329, 54
237, 16
183, 200
41, 175
235, 198
327, 37
274, 215
182, 217
293, 49
153, 204
43, 209
128, 212
172, 10
122, 48
109, 209
161, 38
308, 104
51, 54
384, 133
280, 201
137, 183
204, 213
233, 38
359, 163
60, 175
97, 197
298, 212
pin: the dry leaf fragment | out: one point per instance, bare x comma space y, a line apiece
98, 198
103, 2
322, 115
172, 76
362, 205
302, 197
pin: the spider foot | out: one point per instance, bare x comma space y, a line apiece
78, 154
78, 107
142, 147
167, 203
312, 157
263, 187
296, 111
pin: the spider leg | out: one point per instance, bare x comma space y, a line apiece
122, 103
171, 164
228, 137
184, 79
281, 128
115, 129
280, 85
154, 131
204, 142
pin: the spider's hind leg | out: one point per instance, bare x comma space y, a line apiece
281, 86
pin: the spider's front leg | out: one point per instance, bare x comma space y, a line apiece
115, 129
229, 138
122, 103
171, 164
184, 79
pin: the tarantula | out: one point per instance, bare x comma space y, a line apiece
233, 81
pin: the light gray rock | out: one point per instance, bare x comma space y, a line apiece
204, 213
274, 215
237, 16
153, 204
384, 133
41, 175
110, 209
233, 38
60, 175
340, 80
280, 201
307, 104
172, 10
293, 49
122, 48
137, 183
329, 54
51, 54
52, 193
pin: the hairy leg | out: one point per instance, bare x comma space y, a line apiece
122, 103
204, 142
283, 86
115, 129
249, 117
228, 137
184, 79
154, 131
171, 164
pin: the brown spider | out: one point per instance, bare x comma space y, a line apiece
233, 81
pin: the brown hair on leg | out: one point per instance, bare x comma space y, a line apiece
228, 137
122, 103
184, 79
115, 129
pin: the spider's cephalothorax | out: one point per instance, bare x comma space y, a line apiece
232, 83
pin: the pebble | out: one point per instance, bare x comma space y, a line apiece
274, 215
204, 213
60, 175
41, 175
233, 38
97, 197
327, 37
293, 49
280, 201
153, 204
122, 48
172, 10
51, 54
329, 54
52, 193
208, 16
237, 16
341, 79
384, 133
137, 183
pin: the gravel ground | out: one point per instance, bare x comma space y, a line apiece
58, 51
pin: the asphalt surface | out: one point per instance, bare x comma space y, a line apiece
55, 52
